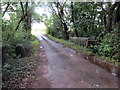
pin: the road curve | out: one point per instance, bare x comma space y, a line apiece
66, 69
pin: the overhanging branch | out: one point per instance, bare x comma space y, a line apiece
22, 7
20, 21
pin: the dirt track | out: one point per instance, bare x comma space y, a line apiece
66, 69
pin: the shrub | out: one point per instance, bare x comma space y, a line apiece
109, 46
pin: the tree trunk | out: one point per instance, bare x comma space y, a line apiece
27, 21
110, 16
61, 15
76, 33
65, 33
105, 23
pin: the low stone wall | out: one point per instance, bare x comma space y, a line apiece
79, 40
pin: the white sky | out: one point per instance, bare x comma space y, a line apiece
39, 28
6, 16
41, 11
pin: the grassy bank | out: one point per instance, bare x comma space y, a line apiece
84, 50
18, 68
70, 44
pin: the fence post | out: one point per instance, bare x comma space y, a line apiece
87, 43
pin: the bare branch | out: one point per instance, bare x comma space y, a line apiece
64, 4
104, 10
26, 6
22, 7
23, 17
101, 6
53, 10
20, 21
114, 6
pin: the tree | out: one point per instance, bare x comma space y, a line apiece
14, 31
60, 14
110, 15
72, 19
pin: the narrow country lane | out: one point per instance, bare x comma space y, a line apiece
66, 69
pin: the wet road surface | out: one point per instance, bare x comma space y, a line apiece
66, 69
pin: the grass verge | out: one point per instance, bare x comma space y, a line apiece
70, 45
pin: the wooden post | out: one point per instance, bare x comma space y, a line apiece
87, 43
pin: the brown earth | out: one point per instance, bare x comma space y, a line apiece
38, 77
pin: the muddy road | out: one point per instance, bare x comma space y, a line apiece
66, 69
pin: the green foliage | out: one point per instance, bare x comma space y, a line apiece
109, 46
35, 43
54, 27
90, 20
15, 68
11, 38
